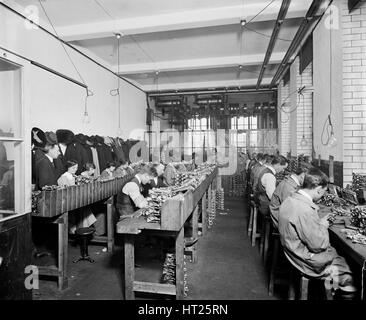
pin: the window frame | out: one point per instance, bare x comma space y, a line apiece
22, 142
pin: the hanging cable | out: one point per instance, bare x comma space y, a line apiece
89, 93
130, 36
328, 136
265, 35
260, 12
64, 48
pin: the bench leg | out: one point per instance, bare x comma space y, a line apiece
204, 214
110, 225
304, 288
254, 228
194, 233
267, 237
273, 268
63, 235
179, 265
129, 247
250, 223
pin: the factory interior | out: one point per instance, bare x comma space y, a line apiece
183, 150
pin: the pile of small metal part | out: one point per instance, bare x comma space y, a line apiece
169, 275
82, 180
212, 209
356, 237
331, 200
358, 219
192, 179
358, 183
51, 188
220, 199
342, 212
183, 181
35, 198
156, 198
185, 276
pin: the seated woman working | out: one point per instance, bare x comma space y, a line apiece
131, 199
86, 218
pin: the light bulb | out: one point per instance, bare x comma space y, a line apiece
332, 141
119, 132
303, 142
86, 118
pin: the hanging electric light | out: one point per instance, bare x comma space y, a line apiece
332, 142
86, 117
303, 141
119, 131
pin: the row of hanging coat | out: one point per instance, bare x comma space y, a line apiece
95, 149
80, 148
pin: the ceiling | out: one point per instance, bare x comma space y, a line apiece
177, 45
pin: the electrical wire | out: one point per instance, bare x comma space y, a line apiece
328, 125
89, 93
260, 12
64, 48
131, 37
265, 35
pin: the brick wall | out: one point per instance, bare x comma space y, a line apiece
354, 89
293, 125
283, 119
305, 111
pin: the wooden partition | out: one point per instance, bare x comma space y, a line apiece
55, 202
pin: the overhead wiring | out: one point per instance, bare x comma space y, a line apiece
265, 35
130, 36
89, 93
260, 12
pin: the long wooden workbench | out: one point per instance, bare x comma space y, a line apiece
54, 207
174, 213
355, 251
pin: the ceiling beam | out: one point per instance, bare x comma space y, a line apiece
280, 19
204, 85
176, 21
194, 64
309, 20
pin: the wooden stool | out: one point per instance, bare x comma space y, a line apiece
276, 271
265, 237
304, 286
84, 235
254, 223
251, 213
250, 209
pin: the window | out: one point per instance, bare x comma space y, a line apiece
12, 158
253, 123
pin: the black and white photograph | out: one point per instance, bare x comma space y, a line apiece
189, 153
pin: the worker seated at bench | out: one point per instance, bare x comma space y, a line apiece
267, 182
157, 182
285, 189
131, 198
305, 237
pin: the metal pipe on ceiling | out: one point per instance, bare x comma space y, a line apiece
162, 94
280, 18
306, 24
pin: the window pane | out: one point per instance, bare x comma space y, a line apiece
10, 100
9, 169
